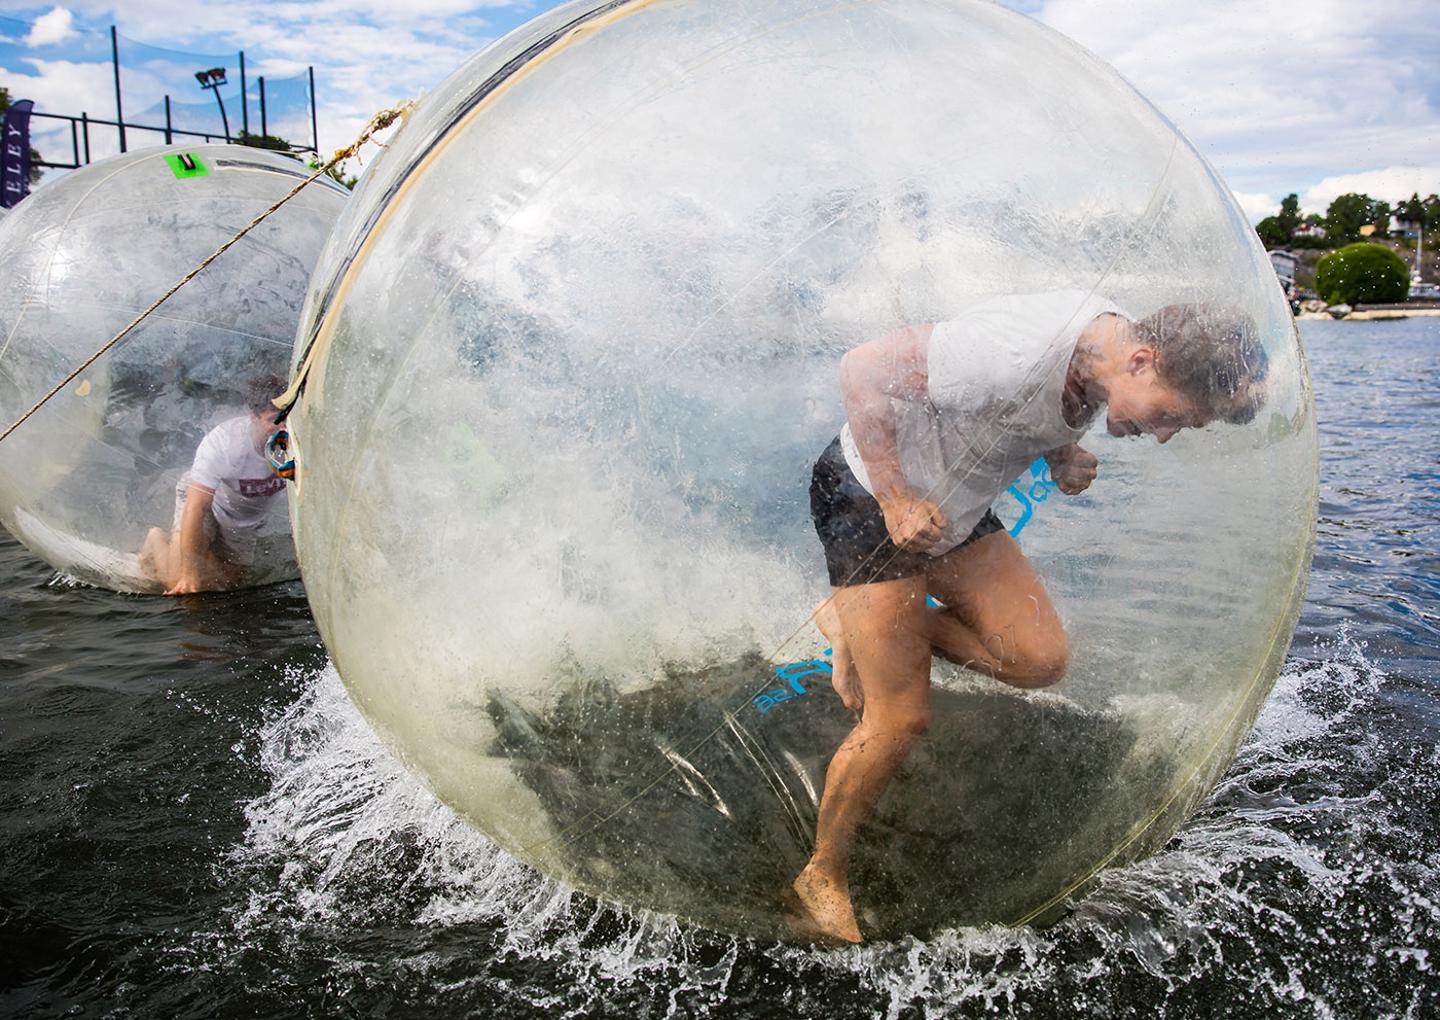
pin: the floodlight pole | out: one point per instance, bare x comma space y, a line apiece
214, 83
224, 120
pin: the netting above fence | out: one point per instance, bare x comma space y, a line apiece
150, 73
199, 117
287, 109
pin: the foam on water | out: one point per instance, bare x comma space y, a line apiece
1303, 845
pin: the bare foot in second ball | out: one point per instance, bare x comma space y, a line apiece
827, 914
843, 676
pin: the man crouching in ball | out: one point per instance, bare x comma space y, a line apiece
941, 420
221, 503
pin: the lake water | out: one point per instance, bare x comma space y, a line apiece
195, 822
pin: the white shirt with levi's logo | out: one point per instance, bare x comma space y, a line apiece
247, 491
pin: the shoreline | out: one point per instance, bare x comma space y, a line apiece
1372, 315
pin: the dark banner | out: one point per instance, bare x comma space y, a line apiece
15, 167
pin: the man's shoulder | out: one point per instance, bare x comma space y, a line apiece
992, 349
1023, 318
226, 441
227, 428
1056, 302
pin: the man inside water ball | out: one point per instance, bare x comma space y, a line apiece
942, 419
221, 503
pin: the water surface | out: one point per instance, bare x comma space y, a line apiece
195, 822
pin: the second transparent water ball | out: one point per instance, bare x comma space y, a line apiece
84, 480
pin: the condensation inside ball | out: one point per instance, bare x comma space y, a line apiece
83, 480
577, 349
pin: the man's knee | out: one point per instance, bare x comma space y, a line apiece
1040, 663
897, 722
915, 723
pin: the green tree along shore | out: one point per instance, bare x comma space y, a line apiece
1350, 219
1344, 219
1356, 274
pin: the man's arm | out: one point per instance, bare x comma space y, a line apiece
895, 367
193, 550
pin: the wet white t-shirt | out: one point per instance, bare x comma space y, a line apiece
996, 378
245, 487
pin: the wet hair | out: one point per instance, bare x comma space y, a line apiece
262, 389
1210, 355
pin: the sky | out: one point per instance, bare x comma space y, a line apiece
1316, 97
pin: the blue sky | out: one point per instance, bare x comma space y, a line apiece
1313, 96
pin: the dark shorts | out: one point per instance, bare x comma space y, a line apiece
852, 529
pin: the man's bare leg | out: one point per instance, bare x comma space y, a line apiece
889, 641
997, 617
156, 555
843, 676
160, 559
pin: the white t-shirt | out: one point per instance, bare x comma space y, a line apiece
996, 378
245, 487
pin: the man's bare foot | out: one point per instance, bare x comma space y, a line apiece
826, 907
843, 676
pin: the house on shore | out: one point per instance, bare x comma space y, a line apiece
1285, 263
1403, 226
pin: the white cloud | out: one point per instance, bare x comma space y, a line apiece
1257, 205
1392, 184
61, 86
1279, 96
53, 27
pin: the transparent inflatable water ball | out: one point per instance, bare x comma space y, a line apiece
572, 355
84, 480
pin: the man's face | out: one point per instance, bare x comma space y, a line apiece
262, 424
1140, 403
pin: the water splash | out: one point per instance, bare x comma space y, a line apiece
1298, 888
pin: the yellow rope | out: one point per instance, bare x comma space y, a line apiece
379, 122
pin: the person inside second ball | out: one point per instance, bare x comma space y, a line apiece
221, 504
941, 419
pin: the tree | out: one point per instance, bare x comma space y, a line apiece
337, 173
1362, 274
277, 144
1381, 212
1346, 215
1432, 214
1289, 217
1272, 232
256, 141
1412, 209
35, 171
